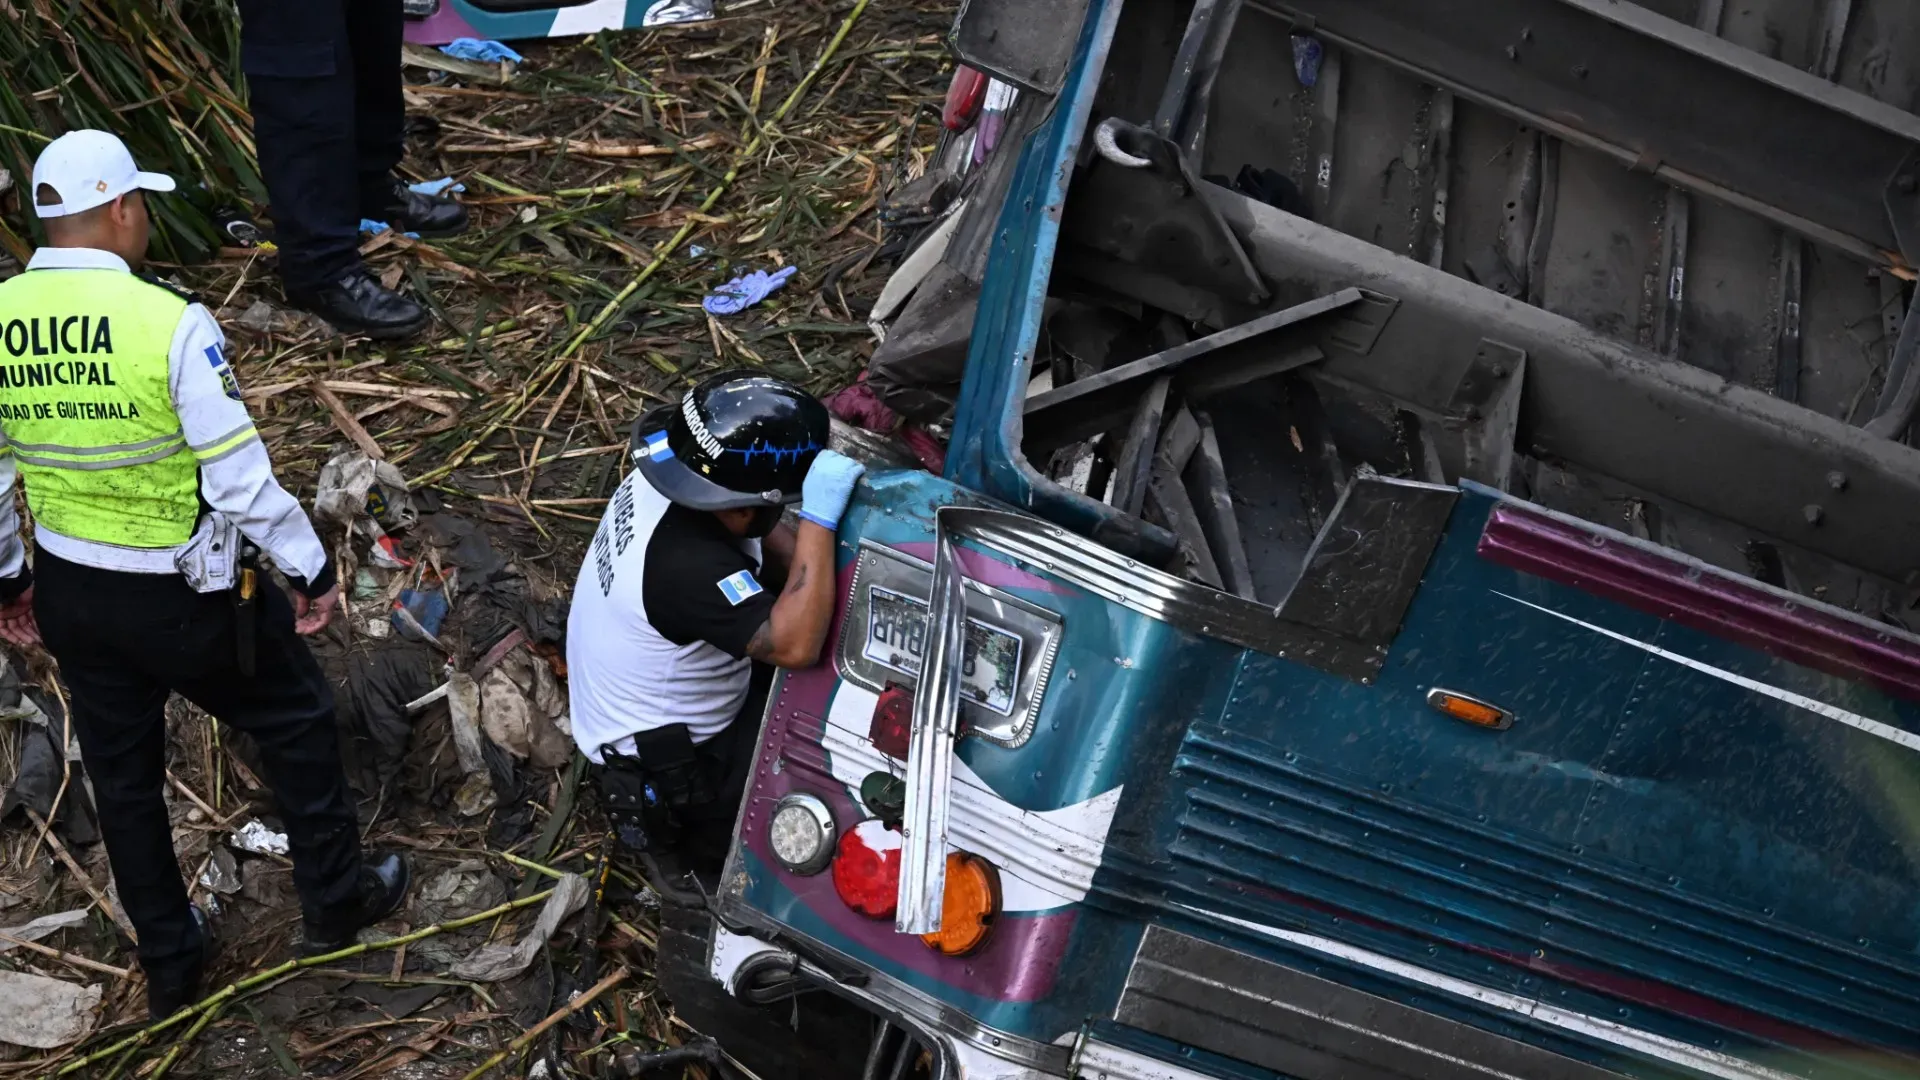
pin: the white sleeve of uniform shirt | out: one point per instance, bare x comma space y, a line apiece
235, 476
13, 554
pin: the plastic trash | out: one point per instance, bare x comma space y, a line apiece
45, 1013
442, 186
745, 291
492, 963
964, 94
694, 251
42, 926
1307, 55
236, 226
427, 608
524, 711
466, 888
486, 52
222, 874
255, 837
368, 497
674, 12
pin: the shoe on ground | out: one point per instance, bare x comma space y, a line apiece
411, 212
383, 888
168, 995
356, 303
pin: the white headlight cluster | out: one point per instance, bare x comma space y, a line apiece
801, 833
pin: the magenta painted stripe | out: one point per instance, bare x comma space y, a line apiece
1725, 605
440, 27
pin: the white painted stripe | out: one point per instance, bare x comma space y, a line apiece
1046, 858
1699, 1058
1897, 736
589, 18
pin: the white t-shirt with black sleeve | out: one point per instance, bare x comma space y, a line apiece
665, 605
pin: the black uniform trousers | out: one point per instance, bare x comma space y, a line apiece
329, 122
123, 641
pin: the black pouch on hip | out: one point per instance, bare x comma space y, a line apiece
641, 819
648, 792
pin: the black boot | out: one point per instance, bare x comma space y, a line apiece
168, 993
356, 303
383, 888
409, 211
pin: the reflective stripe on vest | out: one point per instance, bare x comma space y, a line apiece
86, 410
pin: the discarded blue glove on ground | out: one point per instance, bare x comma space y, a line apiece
743, 292
375, 228
487, 52
442, 186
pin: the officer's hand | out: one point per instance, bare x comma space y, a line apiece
828, 488
312, 616
18, 627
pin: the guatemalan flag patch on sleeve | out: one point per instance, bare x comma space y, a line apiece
739, 588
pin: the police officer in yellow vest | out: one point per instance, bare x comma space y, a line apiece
147, 481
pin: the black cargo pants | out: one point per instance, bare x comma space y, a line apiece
123, 641
324, 77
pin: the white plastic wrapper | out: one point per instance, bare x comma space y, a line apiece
255, 837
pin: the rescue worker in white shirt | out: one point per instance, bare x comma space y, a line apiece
150, 491
673, 636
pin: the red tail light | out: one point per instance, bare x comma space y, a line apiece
866, 869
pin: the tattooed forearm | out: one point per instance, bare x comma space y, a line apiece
796, 580
760, 645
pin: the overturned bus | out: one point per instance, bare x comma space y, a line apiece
1448, 614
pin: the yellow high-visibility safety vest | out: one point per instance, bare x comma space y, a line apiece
85, 407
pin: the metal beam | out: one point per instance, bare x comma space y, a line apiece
1788, 347
1674, 431
1657, 95
1182, 114
1086, 407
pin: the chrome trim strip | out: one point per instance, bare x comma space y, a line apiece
1129, 582
1686, 1055
1110, 1062
936, 714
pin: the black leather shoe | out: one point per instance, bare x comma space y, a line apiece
168, 995
356, 303
383, 888
429, 215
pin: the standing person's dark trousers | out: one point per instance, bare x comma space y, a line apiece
123, 641
330, 126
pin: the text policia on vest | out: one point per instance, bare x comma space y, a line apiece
75, 334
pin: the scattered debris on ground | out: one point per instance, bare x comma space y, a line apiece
617, 183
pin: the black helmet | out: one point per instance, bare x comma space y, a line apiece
736, 440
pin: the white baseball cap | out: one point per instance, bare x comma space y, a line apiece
89, 168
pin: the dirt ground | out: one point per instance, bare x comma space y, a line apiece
614, 182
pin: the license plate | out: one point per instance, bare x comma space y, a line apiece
897, 639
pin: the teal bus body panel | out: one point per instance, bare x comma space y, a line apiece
1651, 842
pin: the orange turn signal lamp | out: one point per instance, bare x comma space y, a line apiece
1470, 710
971, 905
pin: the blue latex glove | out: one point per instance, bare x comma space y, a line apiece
375, 228
743, 292
828, 488
442, 186
486, 52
